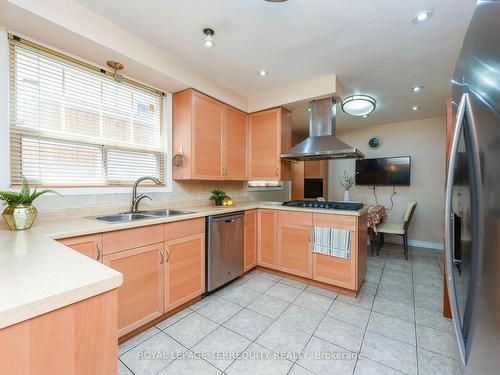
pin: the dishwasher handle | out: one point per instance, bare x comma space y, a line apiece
227, 218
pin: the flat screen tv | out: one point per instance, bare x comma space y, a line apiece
392, 171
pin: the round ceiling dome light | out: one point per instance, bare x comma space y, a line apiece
358, 105
263, 73
208, 37
422, 16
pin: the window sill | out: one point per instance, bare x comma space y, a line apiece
167, 188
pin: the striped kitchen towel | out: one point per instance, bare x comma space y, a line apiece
331, 241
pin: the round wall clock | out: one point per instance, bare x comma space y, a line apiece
375, 142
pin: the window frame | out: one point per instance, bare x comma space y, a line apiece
5, 166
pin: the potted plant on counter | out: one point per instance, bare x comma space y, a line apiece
346, 181
218, 196
20, 213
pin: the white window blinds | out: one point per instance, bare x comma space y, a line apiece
71, 125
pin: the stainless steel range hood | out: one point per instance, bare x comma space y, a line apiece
322, 143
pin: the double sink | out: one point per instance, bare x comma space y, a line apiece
139, 215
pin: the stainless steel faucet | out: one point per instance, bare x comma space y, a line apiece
135, 198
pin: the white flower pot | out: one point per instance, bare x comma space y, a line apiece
347, 196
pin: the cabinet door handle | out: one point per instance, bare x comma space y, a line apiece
162, 256
277, 171
168, 255
98, 246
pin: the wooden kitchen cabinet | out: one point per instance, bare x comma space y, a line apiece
267, 244
294, 243
211, 137
234, 144
140, 297
184, 269
269, 134
250, 241
315, 168
89, 245
346, 273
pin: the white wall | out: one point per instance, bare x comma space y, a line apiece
424, 141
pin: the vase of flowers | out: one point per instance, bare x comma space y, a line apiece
20, 213
347, 182
218, 196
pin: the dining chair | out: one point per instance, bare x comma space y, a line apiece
399, 229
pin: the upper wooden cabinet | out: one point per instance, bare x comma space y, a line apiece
234, 144
269, 134
211, 136
315, 168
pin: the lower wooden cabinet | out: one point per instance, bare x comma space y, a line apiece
89, 245
294, 249
250, 247
140, 297
267, 244
184, 270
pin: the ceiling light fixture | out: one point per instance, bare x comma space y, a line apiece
422, 16
208, 37
263, 73
415, 108
358, 105
416, 88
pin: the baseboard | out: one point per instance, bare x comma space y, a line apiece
416, 243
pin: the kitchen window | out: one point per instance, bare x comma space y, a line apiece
73, 125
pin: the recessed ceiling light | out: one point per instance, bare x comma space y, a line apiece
415, 108
208, 37
365, 116
263, 73
417, 88
358, 105
422, 16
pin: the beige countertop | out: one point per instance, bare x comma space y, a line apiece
39, 274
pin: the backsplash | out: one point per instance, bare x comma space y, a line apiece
185, 192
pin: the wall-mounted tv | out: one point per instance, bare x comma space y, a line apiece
392, 171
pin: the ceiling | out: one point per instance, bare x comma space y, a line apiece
374, 49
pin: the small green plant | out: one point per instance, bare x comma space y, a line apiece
217, 195
346, 181
24, 197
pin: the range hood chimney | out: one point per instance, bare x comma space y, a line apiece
322, 143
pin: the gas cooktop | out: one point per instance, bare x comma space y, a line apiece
350, 206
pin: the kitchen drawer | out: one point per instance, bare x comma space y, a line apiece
184, 228
131, 238
297, 218
335, 221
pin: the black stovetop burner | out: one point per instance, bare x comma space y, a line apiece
350, 206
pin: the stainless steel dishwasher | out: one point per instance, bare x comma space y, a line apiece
224, 250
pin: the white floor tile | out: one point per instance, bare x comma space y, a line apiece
221, 347
173, 319
349, 313
314, 302
191, 329
397, 309
366, 366
219, 310
300, 318
294, 283
322, 291
268, 306
241, 295
430, 363
340, 333
393, 327
281, 338
248, 323
324, 358
390, 352
137, 339
441, 342
259, 284
285, 292
152, 355
257, 360
190, 365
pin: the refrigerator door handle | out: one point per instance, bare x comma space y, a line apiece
449, 246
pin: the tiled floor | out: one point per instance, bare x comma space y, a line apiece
265, 324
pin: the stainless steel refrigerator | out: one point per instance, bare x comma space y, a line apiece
472, 222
